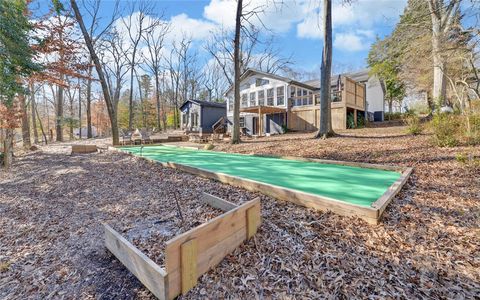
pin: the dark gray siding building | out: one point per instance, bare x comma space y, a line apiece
199, 116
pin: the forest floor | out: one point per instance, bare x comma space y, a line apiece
427, 246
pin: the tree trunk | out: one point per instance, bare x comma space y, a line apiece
72, 114
89, 102
130, 100
25, 123
390, 109
79, 110
439, 83
8, 148
325, 73
157, 97
59, 115
41, 125
34, 116
106, 94
236, 84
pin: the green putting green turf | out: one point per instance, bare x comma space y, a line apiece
353, 185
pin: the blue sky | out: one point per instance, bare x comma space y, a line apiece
295, 25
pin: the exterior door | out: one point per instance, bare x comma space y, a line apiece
255, 125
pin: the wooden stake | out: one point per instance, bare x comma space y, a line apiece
189, 265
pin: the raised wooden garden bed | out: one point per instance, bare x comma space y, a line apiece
190, 254
83, 149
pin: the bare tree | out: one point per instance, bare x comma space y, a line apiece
111, 108
325, 128
92, 8
137, 27
154, 39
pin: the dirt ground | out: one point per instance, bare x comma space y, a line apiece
428, 245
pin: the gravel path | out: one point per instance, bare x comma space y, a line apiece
428, 245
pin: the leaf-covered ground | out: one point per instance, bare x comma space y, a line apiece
427, 246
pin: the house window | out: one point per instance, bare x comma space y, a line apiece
270, 97
281, 95
244, 100
242, 122
261, 82
292, 92
230, 104
299, 92
261, 98
195, 120
253, 100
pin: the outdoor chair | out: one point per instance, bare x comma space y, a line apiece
146, 139
126, 137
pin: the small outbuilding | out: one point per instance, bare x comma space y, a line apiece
203, 117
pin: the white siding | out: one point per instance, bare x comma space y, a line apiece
375, 96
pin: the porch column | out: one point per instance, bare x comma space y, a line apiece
260, 121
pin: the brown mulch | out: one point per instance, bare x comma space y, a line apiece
427, 246
150, 234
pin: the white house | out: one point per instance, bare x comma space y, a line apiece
272, 103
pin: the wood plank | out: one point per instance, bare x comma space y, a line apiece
217, 202
215, 239
253, 220
153, 277
208, 259
84, 148
189, 265
386, 198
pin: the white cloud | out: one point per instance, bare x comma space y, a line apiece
222, 12
277, 17
310, 27
182, 25
349, 42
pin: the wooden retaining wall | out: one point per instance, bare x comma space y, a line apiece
193, 253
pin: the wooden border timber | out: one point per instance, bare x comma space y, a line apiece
370, 214
84, 149
191, 254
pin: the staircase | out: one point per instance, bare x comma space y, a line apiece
219, 126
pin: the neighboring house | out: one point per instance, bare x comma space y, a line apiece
200, 116
271, 103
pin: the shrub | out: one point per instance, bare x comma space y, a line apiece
351, 121
472, 129
414, 126
393, 116
445, 129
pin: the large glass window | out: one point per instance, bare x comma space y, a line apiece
261, 98
253, 99
299, 92
244, 102
292, 91
281, 95
230, 104
270, 97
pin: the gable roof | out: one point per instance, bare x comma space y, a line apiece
205, 103
249, 72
